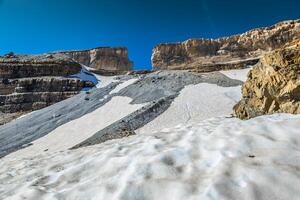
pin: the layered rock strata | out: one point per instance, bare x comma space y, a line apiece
227, 52
29, 83
36, 93
273, 85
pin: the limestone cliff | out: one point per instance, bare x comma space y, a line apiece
104, 59
236, 51
273, 85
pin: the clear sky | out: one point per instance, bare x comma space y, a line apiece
38, 26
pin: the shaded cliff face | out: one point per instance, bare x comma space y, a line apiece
102, 59
30, 83
236, 51
273, 85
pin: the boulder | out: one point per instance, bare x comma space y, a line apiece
273, 85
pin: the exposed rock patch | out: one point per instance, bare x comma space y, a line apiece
273, 85
231, 52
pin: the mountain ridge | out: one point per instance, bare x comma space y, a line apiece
198, 53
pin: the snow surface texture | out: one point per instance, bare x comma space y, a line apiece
123, 85
199, 102
105, 80
239, 74
195, 103
219, 158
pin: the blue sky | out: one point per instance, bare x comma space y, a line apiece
38, 26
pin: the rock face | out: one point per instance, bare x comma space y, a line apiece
29, 83
236, 51
102, 60
273, 85
35, 93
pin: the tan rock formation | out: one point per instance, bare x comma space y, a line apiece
103, 59
236, 51
273, 85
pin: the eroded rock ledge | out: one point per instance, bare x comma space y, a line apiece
273, 85
227, 52
20, 66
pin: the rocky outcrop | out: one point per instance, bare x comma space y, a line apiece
43, 84
103, 60
227, 52
273, 85
29, 83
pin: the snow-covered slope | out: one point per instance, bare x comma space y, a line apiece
199, 102
93, 117
69, 134
187, 145
219, 158
196, 103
